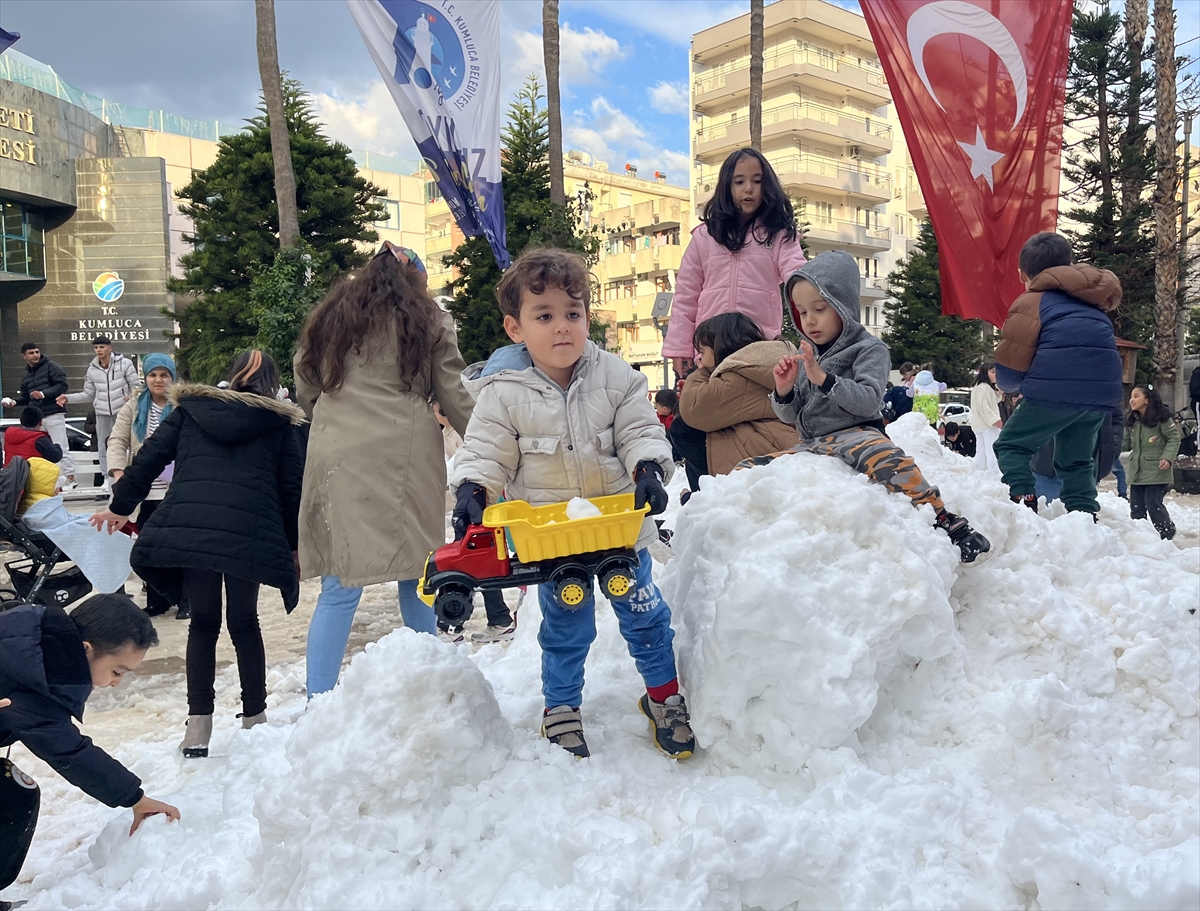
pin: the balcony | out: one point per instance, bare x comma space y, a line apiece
657, 214
815, 68
840, 234
614, 218
658, 259
916, 203
873, 288
813, 173
822, 124
721, 139
617, 266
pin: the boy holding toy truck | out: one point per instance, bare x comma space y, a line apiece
557, 418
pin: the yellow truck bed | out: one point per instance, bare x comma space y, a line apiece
545, 533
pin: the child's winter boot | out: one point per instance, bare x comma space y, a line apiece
670, 725
563, 726
196, 737
971, 544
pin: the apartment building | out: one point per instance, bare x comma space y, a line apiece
828, 129
643, 224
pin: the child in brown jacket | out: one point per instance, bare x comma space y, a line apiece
728, 397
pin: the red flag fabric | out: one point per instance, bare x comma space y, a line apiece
979, 87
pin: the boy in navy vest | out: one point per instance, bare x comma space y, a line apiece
1060, 353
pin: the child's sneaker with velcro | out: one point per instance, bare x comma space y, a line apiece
563, 726
971, 544
670, 725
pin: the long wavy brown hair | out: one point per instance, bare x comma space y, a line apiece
382, 296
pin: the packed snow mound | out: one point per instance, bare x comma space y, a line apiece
377, 761
805, 586
879, 725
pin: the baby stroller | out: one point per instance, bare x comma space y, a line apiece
33, 574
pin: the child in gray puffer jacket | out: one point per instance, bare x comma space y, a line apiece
835, 403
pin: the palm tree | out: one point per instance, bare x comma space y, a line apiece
553, 105
281, 150
756, 72
1166, 260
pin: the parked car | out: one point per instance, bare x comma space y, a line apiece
954, 411
87, 460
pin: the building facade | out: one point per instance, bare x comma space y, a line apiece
91, 229
828, 129
643, 224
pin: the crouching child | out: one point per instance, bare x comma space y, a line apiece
49, 663
833, 389
555, 418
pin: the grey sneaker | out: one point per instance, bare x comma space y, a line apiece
197, 736
496, 633
563, 726
670, 725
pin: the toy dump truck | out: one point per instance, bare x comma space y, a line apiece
550, 549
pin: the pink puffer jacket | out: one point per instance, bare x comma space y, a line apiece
712, 281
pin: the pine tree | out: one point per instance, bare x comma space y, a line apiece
1112, 166
531, 218
916, 330
281, 295
236, 230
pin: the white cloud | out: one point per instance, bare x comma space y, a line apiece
609, 134
366, 119
669, 98
583, 55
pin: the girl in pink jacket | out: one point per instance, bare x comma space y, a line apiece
737, 259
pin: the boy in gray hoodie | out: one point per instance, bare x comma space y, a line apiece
833, 389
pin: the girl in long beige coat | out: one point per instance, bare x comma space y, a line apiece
372, 354
728, 396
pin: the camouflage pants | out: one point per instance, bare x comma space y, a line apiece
869, 451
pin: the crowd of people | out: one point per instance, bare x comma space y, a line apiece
235, 488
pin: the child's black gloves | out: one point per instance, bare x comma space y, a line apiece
648, 476
469, 502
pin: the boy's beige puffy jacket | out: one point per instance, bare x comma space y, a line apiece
530, 440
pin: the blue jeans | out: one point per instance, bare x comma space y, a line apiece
1118, 472
566, 636
329, 630
1049, 487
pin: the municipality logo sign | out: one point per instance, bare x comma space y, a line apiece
108, 286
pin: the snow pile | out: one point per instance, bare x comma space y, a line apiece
797, 610
880, 727
374, 766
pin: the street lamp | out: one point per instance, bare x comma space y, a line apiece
661, 310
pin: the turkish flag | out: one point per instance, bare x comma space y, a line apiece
979, 87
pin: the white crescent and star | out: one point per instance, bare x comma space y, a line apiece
955, 17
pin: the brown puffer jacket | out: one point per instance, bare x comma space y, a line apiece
732, 405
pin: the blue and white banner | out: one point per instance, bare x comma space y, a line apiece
441, 62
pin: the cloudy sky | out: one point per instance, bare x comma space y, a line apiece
624, 64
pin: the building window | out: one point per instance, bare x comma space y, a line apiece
432, 191
393, 214
824, 213
22, 243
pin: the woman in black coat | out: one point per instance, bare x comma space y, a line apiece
229, 517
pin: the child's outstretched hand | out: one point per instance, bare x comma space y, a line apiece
785, 373
808, 357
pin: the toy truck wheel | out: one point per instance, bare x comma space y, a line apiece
453, 605
571, 589
617, 583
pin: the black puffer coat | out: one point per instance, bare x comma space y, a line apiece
234, 497
44, 671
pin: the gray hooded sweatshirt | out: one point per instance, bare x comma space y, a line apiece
857, 363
